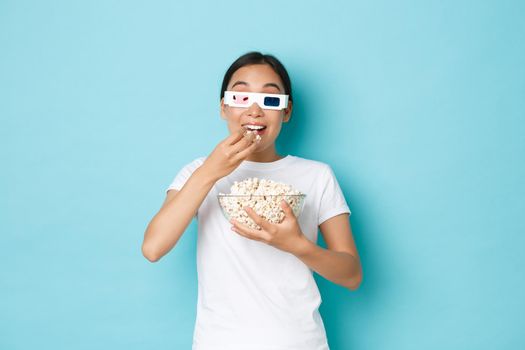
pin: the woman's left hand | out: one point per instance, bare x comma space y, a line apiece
286, 235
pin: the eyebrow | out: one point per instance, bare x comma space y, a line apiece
265, 85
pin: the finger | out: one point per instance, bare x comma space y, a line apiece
242, 143
246, 152
246, 231
234, 137
288, 211
241, 232
264, 224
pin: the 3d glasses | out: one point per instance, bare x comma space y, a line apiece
246, 99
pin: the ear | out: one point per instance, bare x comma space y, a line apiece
223, 112
288, 112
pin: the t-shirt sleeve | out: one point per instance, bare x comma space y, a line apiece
184, 174
332, 199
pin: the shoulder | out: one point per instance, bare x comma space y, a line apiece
190, 166
195, 163
321, 171
311, 165
199, 160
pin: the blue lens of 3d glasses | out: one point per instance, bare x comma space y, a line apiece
272, 101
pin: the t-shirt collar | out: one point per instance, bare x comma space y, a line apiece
277, 164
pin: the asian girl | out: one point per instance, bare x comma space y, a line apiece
256, 289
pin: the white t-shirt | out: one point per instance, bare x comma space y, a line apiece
252, 296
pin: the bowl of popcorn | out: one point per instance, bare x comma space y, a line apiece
264, 197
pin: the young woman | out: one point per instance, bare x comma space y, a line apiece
255, 287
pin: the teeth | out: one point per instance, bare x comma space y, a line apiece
254, 127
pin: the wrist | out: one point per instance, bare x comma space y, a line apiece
303, 247
207, 177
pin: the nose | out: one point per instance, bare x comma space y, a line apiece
255, 110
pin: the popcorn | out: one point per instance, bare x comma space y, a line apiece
263, 196
257, 136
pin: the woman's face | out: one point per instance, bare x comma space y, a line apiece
256, 78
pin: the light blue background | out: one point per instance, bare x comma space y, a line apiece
418, 106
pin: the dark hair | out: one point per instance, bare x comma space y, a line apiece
255, 57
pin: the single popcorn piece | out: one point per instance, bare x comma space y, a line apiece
263, 196
257, 136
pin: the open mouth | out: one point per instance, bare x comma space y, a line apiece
257, 129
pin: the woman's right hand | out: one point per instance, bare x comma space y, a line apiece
230, 153
165, 229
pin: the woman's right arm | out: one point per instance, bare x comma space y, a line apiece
179, 208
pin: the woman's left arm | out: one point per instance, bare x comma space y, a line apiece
339, 263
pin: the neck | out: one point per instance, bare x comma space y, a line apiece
265, 156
